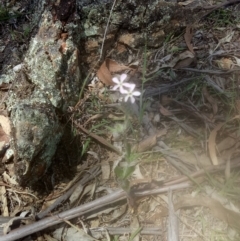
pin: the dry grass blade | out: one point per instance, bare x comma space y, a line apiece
172, 220
91, 174
218, 210
67, 215
212, 140
211, 100
99, 139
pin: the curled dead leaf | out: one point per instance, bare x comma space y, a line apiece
211, 100
188, 38
149, 142
108, 67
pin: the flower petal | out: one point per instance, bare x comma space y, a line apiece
130, 86
115, 87
132, 99
136, 93
123, 91
126, 98
123, 77
115, 80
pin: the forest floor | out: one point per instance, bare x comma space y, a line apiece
158, 133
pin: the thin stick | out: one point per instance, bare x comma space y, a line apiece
104, 37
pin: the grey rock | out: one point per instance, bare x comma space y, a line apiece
51, 83
36, 132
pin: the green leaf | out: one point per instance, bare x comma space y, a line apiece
124, 172
133, 235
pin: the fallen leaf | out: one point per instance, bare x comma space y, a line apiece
110, 66
4, 202
173, 231
184, 55
226, 39
185, 3
237, 106
114, 66
237, 60
188, 38
165, 111
106, 170
149, 142
218, 210
210, 99
137, 173
225, 63
212, 144
229, 142
5, 123
135, 226
71, 234
184, 63
212, 140
104, 74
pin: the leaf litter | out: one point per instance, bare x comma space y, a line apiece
190, 146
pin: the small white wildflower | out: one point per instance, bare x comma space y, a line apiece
130, 93
119, 82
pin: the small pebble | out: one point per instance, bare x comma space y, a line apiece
18, 67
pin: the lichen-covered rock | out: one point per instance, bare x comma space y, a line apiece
72, 36
36, 134
52, 61
49, 83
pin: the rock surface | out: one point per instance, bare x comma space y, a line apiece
67, 43
52, 69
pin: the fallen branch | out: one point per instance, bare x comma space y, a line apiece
95, 205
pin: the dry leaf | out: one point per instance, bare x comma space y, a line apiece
5, 131
149, 142
188, 38
137, 173
4, 202
229, 142
219, 211
212, 144
226, 39
172, 220
106, 170
104, 74
184, 55
212, 140
165, 111
185, 3
109, 66
135, 226
237, 60
5, 123
210, 99
237, 106
71, 234
184, 63
8, 179
225, 63
114, 67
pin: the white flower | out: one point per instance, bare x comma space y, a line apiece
119, 82
130, 93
